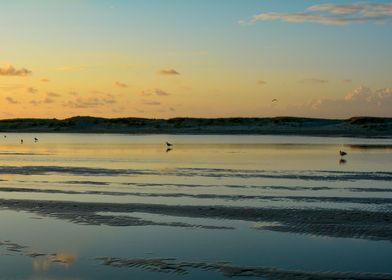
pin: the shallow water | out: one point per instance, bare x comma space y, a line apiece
225, 173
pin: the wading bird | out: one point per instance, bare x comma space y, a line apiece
342, 153
169, 144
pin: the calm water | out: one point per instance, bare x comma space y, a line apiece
267, 172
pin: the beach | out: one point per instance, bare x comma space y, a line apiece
98, 206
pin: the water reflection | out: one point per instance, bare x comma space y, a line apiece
43, 263
193, 198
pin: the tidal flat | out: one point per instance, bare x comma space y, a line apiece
100, 206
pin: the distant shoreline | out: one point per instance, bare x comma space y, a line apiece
367, 127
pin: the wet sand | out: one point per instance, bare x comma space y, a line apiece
230, 270
360, 224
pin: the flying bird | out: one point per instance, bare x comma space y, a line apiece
274, 100
35, 139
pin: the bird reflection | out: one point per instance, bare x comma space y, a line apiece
342, 161
168, 150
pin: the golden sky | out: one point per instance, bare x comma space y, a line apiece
162, 59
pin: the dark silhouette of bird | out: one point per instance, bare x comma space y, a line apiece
342, 153
168, 150
342, 161
35, 139
169, 144
21, 141
274, 100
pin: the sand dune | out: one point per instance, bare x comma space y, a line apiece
355, 127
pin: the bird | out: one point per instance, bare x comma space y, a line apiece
342, 161
342, 153
169, 144
168, 150
35, 139
21, 141
274, 100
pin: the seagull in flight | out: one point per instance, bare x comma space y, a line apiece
342, 153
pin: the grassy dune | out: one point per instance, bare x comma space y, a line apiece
356, 126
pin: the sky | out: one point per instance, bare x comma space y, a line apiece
195, 58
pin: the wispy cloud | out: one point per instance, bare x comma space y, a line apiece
169, 72
12, 71
157, 92
48, 100
333, 14
120, 85
10, 100
11, 86
91, 102
74, 68
361, 101
314, 81
151, 102
52, 94
31, 90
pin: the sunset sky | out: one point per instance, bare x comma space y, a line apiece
204, 58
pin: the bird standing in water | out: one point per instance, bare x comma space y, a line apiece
169, 144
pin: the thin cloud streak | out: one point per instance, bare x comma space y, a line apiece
169, 72
120, 85
333, 14
314, 81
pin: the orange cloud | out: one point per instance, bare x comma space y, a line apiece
31, 90
157, 92
151, 102
12, 71
121, 85
91, 102
11, 100
168, 72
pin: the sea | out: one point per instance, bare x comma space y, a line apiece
118, 206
